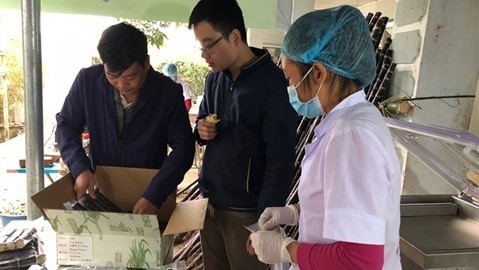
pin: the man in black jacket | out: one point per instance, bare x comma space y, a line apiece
132, 113
248, 163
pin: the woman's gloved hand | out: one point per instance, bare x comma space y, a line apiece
272, 217
271, 247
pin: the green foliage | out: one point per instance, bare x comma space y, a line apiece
14, 79
193, 74
138, 252
152, 30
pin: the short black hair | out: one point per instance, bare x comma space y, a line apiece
121, 45
223, 15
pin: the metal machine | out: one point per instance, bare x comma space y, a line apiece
440, 231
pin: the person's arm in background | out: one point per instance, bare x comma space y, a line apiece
70, 125
188, 104
279, 135
179, 160
186, 95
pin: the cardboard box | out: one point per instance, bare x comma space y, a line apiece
115, 239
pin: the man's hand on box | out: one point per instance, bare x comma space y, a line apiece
85, 182
143, 206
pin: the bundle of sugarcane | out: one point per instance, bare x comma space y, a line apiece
191, 252
20, 248
375, 92
86, 203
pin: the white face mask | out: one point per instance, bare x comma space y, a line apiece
308, 109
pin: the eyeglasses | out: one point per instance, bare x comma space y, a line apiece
208, 47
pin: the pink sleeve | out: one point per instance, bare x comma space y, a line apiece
340, 255
188, 104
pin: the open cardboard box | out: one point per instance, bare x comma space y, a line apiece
115, 239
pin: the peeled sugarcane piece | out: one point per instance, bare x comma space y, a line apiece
212, 118
26, 236
473, 177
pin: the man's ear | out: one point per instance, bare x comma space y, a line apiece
319, 73
235, 36
146, 64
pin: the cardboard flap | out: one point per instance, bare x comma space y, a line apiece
53, 196
187, 216
123, 186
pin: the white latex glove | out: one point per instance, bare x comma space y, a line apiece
270, 247
272, 217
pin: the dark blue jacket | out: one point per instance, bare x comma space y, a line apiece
159, 119
249, 164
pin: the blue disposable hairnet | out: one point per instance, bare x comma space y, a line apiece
338, 38
170, 70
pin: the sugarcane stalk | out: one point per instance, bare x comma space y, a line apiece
382, 74
384, 82
198, 267
373, 21
105, 201
194, 194
369, 17
197, 260
185, 250
187, 187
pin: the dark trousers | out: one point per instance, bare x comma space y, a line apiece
223, 240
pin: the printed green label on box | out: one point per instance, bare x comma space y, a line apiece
101, 238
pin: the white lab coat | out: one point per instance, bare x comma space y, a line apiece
350, 184
186, 88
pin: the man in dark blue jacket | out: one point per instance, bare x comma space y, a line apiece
248, 163
132, 113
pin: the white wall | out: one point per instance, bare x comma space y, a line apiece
386, 7
474, 124
435, 45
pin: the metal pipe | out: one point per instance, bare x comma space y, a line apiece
32, 63
4, 93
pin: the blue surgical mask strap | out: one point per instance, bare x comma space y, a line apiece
309, 109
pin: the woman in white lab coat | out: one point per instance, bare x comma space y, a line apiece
349, 190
